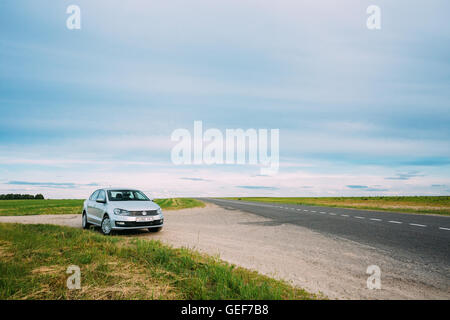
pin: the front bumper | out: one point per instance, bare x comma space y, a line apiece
122, 225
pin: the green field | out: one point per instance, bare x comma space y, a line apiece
179, 203
35, 207
419, 204
34, 260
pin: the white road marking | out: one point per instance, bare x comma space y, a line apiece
305, 210
312, 211
418, 225
358, 217
331, 213
442, 228
344, 215
375, 219
322, 212
393, 221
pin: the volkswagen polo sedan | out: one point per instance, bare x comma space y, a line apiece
121, 209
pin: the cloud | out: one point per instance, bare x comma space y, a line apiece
63, 185
225, 181
376, 189
194, 179
258, 187
366, 188
405, 175
436, 161
346, 128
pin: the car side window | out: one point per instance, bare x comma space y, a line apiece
101, 195
93, 197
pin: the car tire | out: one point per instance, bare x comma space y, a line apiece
106, 226
155, 229
84, 223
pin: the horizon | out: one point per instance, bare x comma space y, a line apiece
245, 197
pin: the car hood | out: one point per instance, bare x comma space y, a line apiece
134, 205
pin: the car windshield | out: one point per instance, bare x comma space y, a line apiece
126, 195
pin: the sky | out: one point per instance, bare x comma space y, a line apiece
360, 112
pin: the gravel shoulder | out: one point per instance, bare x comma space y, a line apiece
332, 266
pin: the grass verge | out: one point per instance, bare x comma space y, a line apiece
34, 260
420, 204
74, 206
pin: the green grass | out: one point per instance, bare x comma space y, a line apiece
36, 207
179, 203
34, 260
419, 204
33, 207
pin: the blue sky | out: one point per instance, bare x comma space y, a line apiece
360, 112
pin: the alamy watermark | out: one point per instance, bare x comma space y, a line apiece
73, 22
374, 281
74, 280
235, 146
374, 20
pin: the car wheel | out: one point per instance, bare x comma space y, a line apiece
106, 226
155, 229
84, 221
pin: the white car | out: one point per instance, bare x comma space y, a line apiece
121, 209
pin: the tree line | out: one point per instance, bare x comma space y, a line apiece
13, 196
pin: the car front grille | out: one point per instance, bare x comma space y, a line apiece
141, 213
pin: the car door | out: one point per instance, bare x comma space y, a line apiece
100, 206
92, 207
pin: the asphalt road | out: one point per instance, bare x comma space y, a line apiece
420, 239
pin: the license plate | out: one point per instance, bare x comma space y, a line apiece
144, 219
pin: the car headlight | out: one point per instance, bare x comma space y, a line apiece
121, 212
159, 211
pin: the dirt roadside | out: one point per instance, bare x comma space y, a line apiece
333, 266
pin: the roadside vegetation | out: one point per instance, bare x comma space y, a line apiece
179, 203
419, 204
34, 260
16, 196
37, 207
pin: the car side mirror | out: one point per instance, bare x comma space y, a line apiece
101, 200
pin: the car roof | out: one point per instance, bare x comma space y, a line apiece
131, 189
